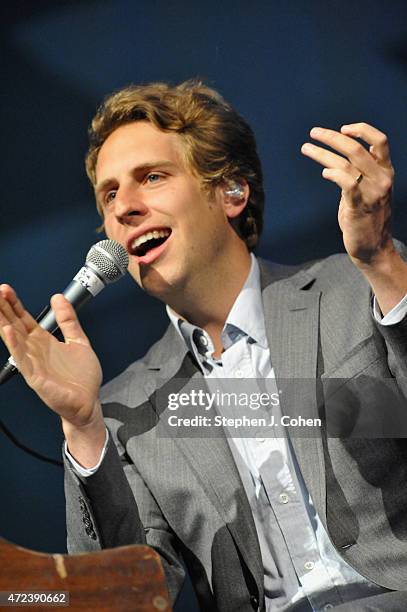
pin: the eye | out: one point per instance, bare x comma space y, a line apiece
110, 195
153, 177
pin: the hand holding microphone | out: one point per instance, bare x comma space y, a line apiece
65, 375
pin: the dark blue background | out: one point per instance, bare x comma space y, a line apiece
285, 65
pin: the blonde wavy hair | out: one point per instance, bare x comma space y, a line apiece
218, 144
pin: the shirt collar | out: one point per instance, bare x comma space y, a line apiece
247, 312
196, 339
246, 317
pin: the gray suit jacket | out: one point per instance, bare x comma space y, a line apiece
184, 496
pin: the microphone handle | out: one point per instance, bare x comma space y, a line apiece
8, 371
75, 293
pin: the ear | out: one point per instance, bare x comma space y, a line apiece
235, 195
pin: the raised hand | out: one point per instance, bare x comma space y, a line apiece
66, 375
365, 177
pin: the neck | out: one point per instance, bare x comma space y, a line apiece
208, 301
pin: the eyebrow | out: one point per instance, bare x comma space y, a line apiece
144, 167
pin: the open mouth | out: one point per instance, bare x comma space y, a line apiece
148, 241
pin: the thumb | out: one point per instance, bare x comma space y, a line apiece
68, 321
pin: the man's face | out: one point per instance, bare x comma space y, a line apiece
155, 207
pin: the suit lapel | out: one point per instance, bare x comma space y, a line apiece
213, 463
210, 457
292, 325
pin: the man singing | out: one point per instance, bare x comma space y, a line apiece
261, 524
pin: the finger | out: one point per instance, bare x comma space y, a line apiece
327, 158
379, 145
68, 321
12, 308
347, 183
7, 315
15, 344
353, 150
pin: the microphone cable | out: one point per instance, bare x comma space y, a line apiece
27, 449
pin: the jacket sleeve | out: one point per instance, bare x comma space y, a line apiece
102, 512
395, 337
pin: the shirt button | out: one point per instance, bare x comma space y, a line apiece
309, 565
239, 373
328, 607
259, 436
284, 499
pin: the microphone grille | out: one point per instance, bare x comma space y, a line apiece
109, 259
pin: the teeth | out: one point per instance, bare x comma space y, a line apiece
149, 236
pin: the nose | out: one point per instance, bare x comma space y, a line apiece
128, 205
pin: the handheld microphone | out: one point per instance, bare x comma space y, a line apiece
106, 262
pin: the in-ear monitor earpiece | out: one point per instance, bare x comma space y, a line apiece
234, 190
